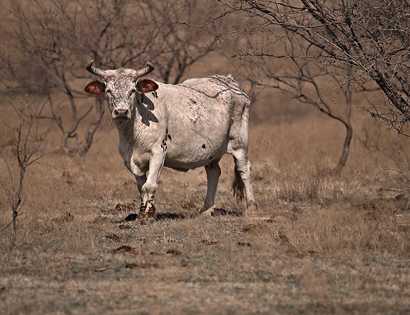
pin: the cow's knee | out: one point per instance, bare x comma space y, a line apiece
149, 187
140, 182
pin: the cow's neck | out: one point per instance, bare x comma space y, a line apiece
125, 129
128, 141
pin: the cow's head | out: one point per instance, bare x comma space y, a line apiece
122, 87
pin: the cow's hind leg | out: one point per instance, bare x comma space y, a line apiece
242, 181
238, 147
213, 171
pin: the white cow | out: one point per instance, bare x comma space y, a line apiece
182, 126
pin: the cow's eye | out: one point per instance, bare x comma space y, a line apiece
132, 92
108, 92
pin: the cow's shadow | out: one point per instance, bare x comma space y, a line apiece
165, 216
174, 215
145, 109
160, 216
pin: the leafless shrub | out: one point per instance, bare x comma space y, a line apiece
371, 36
186, 35
305, 75
27, 148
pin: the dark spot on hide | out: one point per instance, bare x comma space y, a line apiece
203, 146
192, 100
169, 137
164, 144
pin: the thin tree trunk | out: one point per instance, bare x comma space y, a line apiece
345, 149
348, 98
14, 225
17, 201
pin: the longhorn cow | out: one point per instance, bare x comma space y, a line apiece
184, 126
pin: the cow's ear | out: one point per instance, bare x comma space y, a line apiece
95, 87
146, 86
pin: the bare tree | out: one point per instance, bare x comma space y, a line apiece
301, 72
188, 34
27, 148
370, 35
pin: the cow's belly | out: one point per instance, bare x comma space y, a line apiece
193, 157
196, 147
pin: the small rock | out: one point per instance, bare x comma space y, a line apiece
209, 242
125, 207
244, 244
125, 249
114, 237
174, 252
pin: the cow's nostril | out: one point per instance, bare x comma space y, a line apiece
120, 112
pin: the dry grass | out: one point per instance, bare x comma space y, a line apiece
332, 245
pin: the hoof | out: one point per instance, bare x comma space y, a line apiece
148, 212
213, 212
208, 212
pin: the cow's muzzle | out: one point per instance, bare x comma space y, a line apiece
121, 113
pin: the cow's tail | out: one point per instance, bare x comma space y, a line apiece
238, 186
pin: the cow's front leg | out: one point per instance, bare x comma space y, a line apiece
150, 186
140, 182
138, 168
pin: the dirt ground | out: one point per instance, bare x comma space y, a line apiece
331, 244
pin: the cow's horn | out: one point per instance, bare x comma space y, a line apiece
144, 71
94, 70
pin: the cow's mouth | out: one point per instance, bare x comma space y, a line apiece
121, 118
